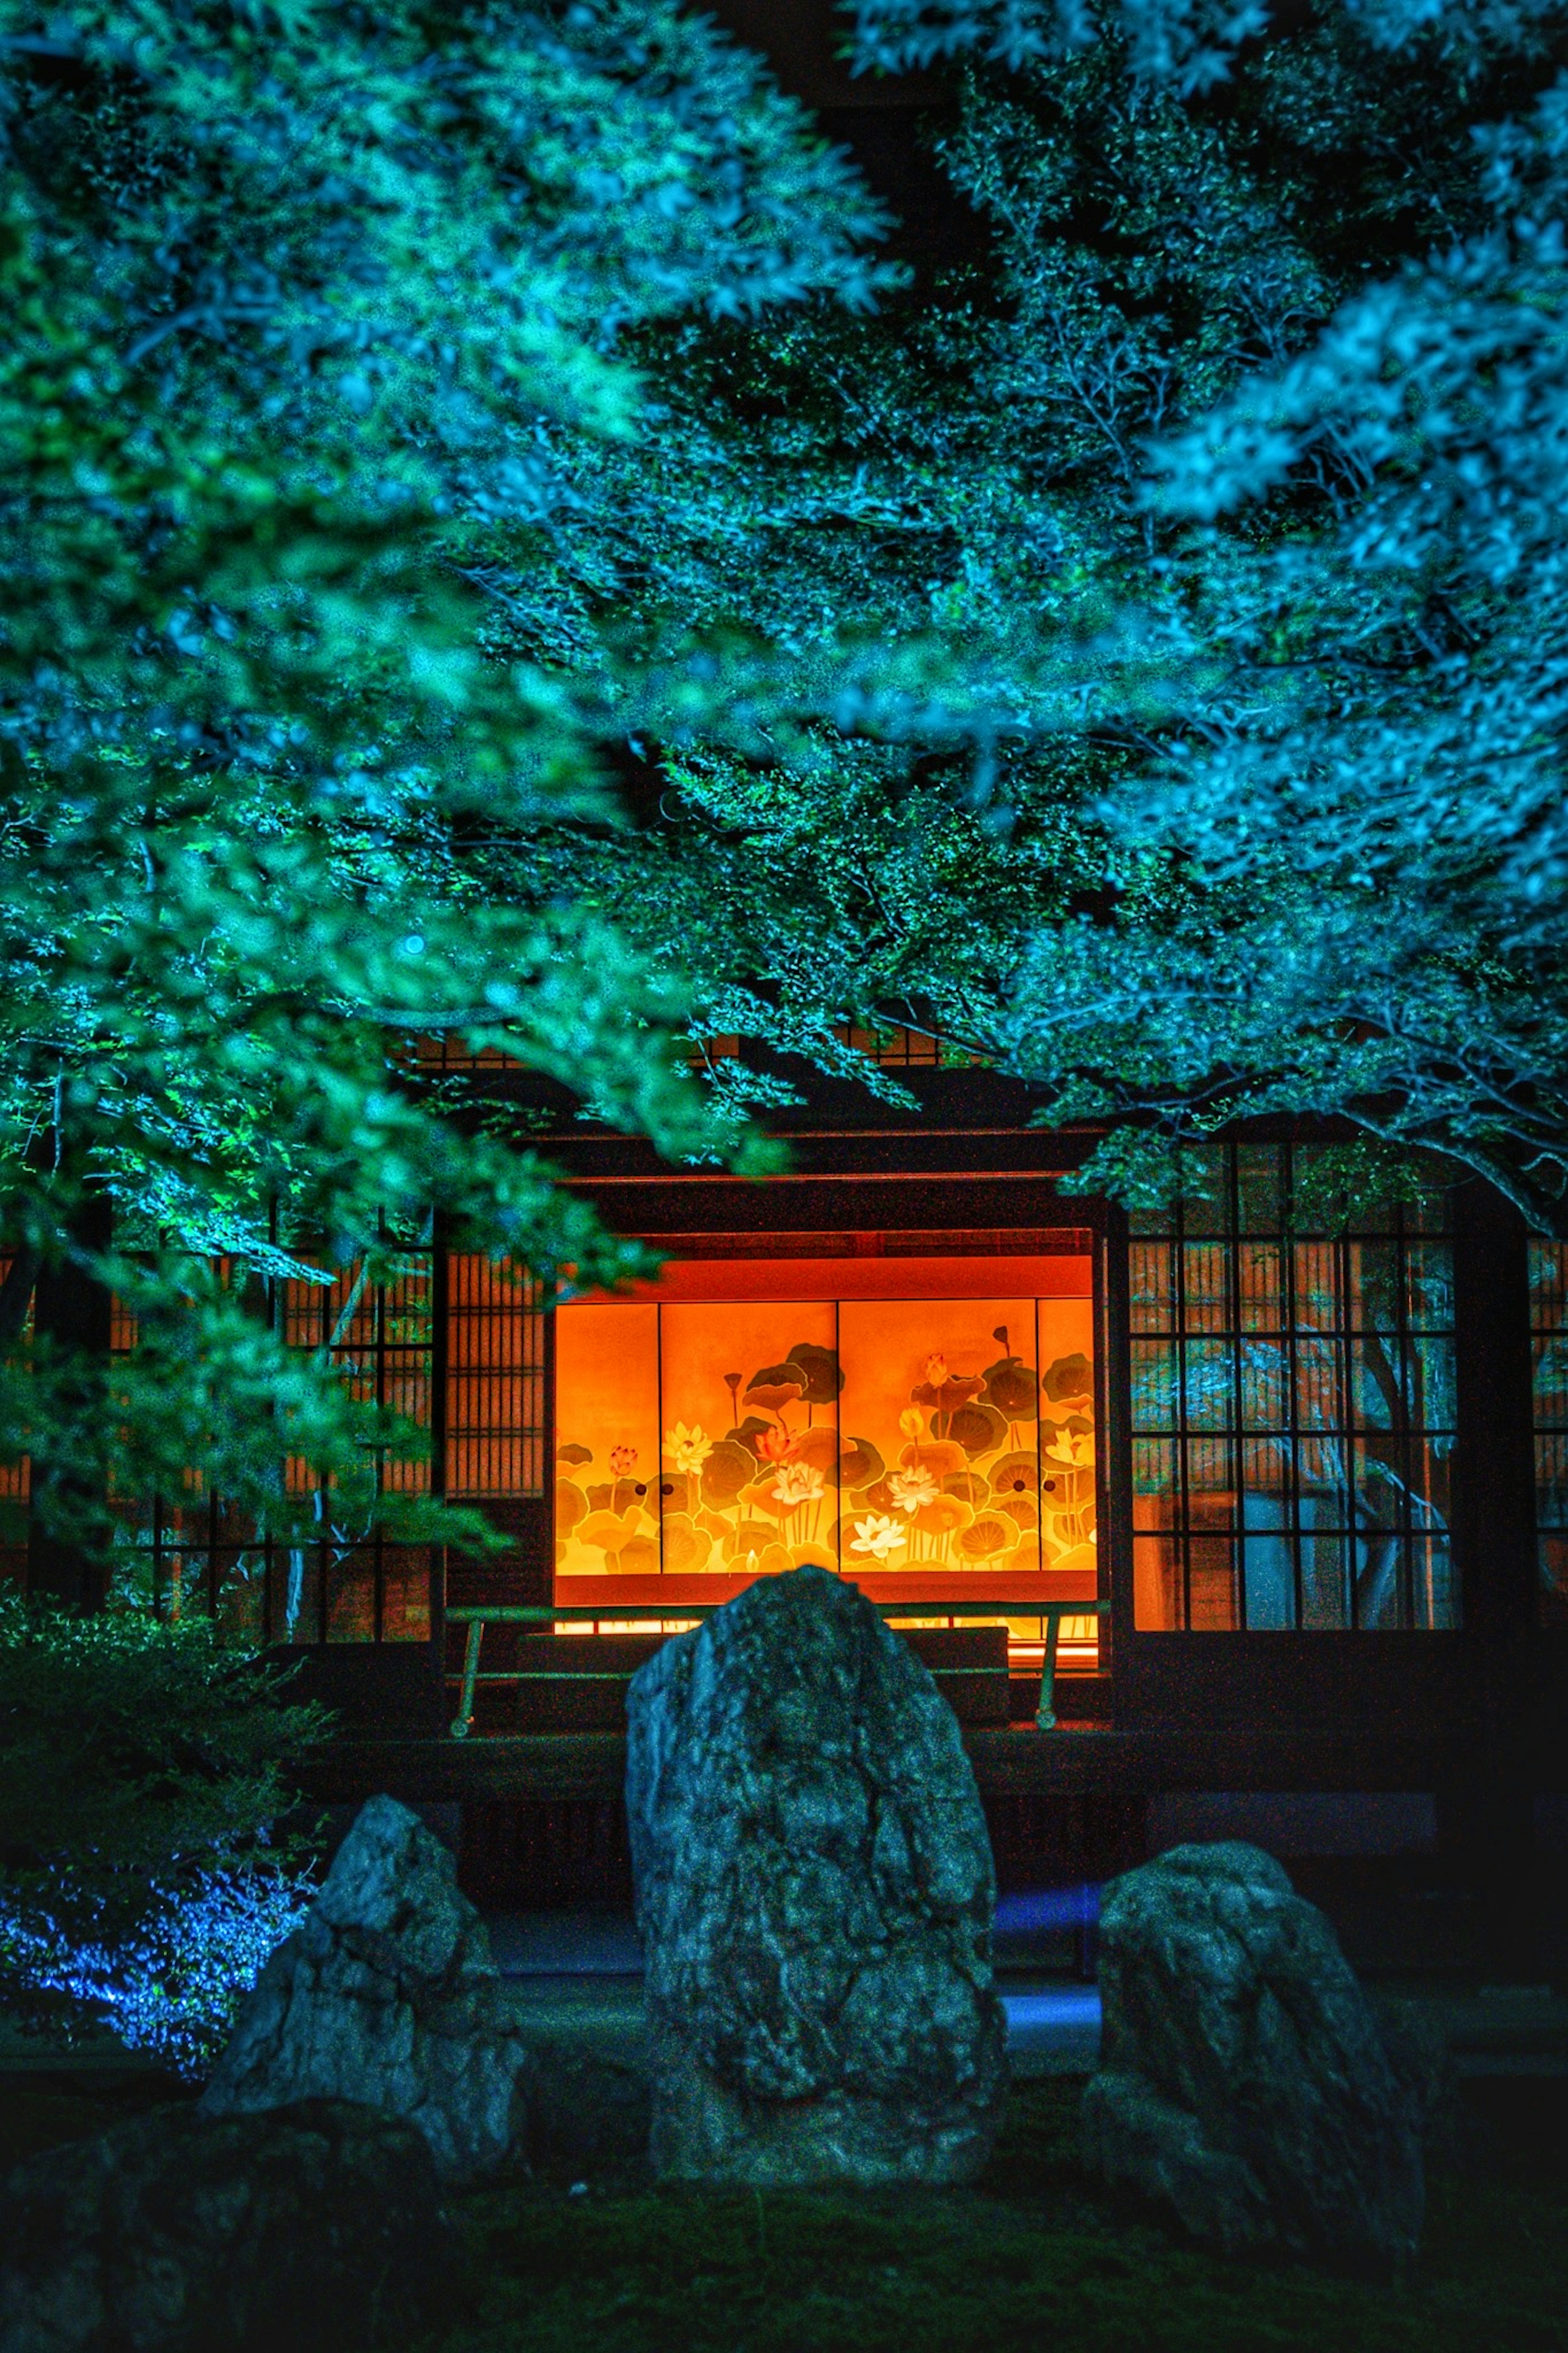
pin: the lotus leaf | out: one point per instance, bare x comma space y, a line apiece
876, 1497
968, 1486
572, 1452
727, 1470
1020, 1508
949, 1395
819, 1448
1069, 1376
987, 1534
751, 1536
685, 1546
631, 1495
861, 1464
759, 1497
836, 1540
943, 1515
571, 1504
774, 1562
676, 1490
1024, 1558
822, 1375
639, 1557
599, 1497
938, 1455
1010, 1387
977, 1428
775, 1386
1081, 1559
1016, 1475
750, 1431
606, 1532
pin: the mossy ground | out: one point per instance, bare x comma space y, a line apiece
1029, 2258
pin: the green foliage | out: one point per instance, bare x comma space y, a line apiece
143, 1771
1214, 525
1181, 820
441, 590
308, 309
131, 1749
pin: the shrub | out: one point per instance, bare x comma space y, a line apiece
143, 1772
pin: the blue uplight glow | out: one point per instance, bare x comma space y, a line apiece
1047, 1908
172, 1985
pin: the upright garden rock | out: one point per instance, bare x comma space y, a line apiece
386, 1993
316, 2228
814, 1893
1242, 2079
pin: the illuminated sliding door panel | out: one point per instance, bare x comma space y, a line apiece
942, 1434
914, 1442
606, 1440
749, 1466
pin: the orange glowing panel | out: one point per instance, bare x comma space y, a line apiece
1065, 1339
940, 1464
749, 1468
926, 1445
606, 1441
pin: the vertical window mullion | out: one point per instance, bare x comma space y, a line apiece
378, 1343
1407, 1424
1290, 1469
1344, 1329
1230, 1278
1179, 1351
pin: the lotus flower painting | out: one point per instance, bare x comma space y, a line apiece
878, 1436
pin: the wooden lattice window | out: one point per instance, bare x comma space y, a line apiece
1293, 1409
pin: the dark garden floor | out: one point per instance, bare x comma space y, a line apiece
1027, 2259
586, 2254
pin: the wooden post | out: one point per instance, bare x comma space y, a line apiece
1485, 1817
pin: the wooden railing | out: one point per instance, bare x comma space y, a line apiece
544, 1619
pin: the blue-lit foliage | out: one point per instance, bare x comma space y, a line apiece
1280, 323
312, 315
1207, 762
1131, 654
143, 1774
172, 1984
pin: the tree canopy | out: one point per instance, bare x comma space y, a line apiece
488, 548
309, 309
1214, 520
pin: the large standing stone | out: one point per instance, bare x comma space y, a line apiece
1242, 2079
316, 2227
814, 1891
386, 1993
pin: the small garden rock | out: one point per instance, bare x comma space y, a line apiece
814, 1891
386, 1993
315, 2227
1243, 2078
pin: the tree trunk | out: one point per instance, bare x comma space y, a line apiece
72, 1311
